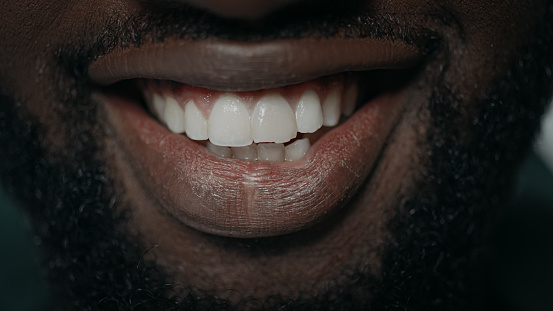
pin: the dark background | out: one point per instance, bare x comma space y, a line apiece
522, 275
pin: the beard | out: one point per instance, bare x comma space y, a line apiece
435, 258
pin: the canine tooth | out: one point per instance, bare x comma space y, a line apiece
221, 151
350, 97
245, 153
174, 115
309, 116
270, 152
296, 150
229, 122
273, 120
158, 106
194, 122
331, 108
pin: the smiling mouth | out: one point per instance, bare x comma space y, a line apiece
254, 139
275, 125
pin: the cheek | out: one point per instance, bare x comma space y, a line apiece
31, 75
34, 35
493, 33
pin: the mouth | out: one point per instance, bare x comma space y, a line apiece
254, 139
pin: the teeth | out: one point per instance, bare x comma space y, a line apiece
331, 108
270, 152
174, 115
309, 116
194, 122
350, 97
229, 122
296, 150
221, 151
264, 152
273, 120
232, 131
245, 153
158, 104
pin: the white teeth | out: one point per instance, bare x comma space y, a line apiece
194, 122
309, 116
229, 122
174, 115
158, 104
350, 97
331, 108
231, 130
221, 151
264, 152
296, 150
270, 152
245, 153
273, 120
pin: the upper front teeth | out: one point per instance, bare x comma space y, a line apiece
273, 120
238, 120
309, 115
229, 122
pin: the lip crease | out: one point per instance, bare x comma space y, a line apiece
240, 198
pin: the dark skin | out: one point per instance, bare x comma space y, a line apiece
259, 230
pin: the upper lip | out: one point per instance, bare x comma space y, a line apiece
246, 66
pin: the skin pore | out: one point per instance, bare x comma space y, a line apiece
410, 236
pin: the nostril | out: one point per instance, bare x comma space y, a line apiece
234, 9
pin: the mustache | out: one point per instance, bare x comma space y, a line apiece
154, 24
157, 23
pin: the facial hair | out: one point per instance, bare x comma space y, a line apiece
433, 256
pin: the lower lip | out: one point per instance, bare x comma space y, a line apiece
245, 199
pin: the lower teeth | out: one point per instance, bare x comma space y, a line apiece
271, 152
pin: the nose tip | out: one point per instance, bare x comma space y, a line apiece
239, 9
